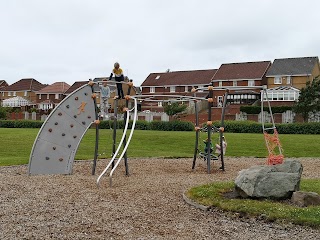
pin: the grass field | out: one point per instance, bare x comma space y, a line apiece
16, 144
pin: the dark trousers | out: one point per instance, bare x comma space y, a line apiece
120, 90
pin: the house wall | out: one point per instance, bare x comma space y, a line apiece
31, 96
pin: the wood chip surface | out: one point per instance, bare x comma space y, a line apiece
148, 204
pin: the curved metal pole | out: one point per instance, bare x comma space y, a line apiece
94, 165
209, 132
114, 135
129, 139
116, 153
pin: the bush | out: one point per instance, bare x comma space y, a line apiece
20, 124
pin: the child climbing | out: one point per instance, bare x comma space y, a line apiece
224, 146
105, 95
117, 71
206, 146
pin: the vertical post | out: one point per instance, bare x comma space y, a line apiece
125, 138
197, 134
209, 125
222, 125
114, 136
97, 132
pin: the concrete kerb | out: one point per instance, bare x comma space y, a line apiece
194, 204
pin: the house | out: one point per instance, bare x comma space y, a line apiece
174, 83
244, 74
287, 76
25, 88
50, 96
3, 84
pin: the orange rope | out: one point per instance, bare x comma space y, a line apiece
273, 142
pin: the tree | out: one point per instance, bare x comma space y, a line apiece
174, 108
3, 113
309, 99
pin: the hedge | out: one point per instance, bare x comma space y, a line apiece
230, 126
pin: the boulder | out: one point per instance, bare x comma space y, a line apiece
264, 181
305, 199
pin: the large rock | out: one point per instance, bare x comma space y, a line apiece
276, 181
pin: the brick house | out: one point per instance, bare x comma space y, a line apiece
174, 83
50, 96
3, 85
25, 88
245, 74
287, 76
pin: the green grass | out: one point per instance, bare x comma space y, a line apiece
212, 195
16, 144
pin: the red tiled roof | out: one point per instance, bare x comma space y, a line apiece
57, 87
246, 70
75, 86
180, 78
25, 84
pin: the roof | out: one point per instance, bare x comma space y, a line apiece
3, 84
292, 66
283, 88
75, 86
25, 84
244, 70
57, 87
180, 78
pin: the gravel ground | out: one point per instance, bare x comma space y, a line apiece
146, 205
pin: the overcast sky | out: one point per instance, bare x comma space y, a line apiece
74, 40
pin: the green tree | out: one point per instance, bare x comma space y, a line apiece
309, 99
174, 108
3, 113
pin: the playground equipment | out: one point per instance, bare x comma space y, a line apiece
56, 144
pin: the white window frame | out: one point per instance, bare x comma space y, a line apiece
172, 89
288, 79
152, 89
14, 93
200, 90
56, 96
251, 83
186, 89
48, 96
277, 80
159, 104
9, 94
25, 93
220, 83
39, 96
234, 83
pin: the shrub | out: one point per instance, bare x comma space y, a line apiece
257, 109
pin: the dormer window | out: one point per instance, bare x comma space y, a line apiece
152, 89
157, 77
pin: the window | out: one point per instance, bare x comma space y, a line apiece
157, 77
48, 97
39, 96
220, 83
251, 83
277, 80
152, 89
288, 79
235, 83
201, 90
9, 94
14, 94
56, 96
25, 93
172, 89
186, 88
159, 104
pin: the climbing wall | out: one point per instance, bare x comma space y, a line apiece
60, 135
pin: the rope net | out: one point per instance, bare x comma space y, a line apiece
274, 148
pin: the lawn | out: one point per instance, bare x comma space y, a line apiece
16, 144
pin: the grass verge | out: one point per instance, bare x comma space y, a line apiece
212, 195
